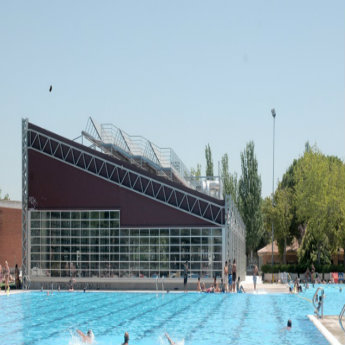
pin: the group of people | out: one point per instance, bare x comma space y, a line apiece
5, 276
230, 272
89, 337
215, 287
230, 285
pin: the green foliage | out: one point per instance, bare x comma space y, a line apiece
282, 217
319, 196
301, 268
196, 173
314, 249
249, 198
230, 184
6, 197
209, 162
309, 205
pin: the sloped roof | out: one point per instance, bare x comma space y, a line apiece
268, 249
292, 249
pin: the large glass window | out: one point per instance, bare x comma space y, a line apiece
92, 244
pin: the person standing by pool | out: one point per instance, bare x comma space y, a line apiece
16, 275
198, 286
234, 275
312, 274
185, 275
0, 276
88, 337
230, 276
255, 275
226, 273
7, 277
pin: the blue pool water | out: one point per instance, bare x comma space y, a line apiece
194, 318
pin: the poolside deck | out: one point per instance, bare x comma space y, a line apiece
330, 328
263, 288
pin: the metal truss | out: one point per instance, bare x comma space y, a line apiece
25, 203
127, 178
235, 241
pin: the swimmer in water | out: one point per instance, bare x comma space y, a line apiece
126, 338
88, 337
289, 325
171, 342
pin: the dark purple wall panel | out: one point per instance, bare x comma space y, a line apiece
125, 164
56, 185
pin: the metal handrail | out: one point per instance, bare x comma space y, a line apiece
26, 282
340, 318
135, 146
319, 300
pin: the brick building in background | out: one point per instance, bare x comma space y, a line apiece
11, 233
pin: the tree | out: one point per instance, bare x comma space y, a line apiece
249, 198
209, 162
6, 197
337, 202
280, 214
267, 219
196, 173
319, 193
282, 217
230, 184
289, 182
314, 187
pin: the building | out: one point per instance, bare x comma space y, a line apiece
265, 254
10, 233
115, 211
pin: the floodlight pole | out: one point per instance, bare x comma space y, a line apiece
274, 118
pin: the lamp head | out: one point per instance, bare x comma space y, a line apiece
273, 111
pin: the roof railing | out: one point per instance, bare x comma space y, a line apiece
142, 152
137, 148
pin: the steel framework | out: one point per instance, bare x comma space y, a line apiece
25, 161
235, 238
137, 149
124, 177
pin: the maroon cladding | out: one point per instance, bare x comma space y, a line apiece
125, 164
57, 185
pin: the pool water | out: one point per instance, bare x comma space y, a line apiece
194, 318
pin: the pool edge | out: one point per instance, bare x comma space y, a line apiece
323, 330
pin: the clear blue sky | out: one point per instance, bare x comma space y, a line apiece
181, 73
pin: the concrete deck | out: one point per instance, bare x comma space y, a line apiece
330, 328
263, 288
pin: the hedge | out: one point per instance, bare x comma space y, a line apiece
298, 268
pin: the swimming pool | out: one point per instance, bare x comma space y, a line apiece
196, 318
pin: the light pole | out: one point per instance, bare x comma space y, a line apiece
274, 119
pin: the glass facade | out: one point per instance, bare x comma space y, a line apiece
92, 244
